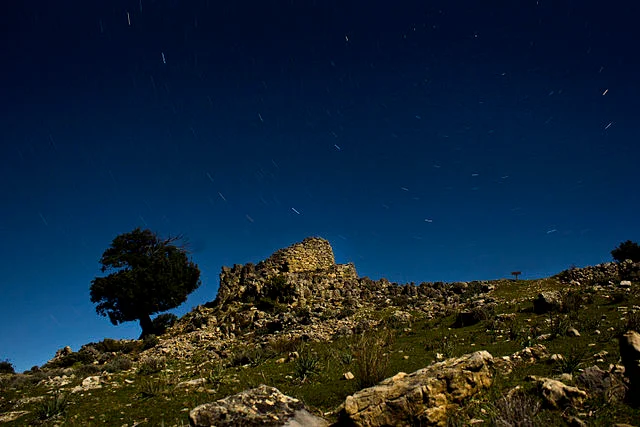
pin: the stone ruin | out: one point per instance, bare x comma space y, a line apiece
308, 267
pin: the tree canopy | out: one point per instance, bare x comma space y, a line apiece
148, 275
626, 250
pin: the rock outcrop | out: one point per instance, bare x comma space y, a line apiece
423, 396
261, 406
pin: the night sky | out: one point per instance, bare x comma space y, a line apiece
426, 140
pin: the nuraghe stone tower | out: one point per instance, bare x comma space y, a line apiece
309, 267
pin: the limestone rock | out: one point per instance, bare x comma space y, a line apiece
89, 383
547, 301
424, 395
573, 332
12, 416
261, 406
557, 394
192, 383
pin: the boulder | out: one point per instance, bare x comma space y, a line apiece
424, 396
261, 406
547, 301
557, 394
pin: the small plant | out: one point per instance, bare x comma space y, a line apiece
516, 408
558, 325
152, 387
633, 321
307, 364
53, 405
214, 375
6, 367
151, 365
571, 362
346, 358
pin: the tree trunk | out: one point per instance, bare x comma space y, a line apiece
146, 325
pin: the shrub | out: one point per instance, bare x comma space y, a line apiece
81, 357
473, 316
626, 250
279, 289
119, 363
571, 302
150, 341
109, 345
151, 365
6, 367
372, 358
87, 370
253, 356
516, 408
284, 344
163, 322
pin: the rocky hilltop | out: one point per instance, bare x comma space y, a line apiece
299, 340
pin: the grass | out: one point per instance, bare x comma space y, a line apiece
148, 393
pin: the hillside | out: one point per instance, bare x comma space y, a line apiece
502, 352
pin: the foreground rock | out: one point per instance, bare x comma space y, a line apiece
630, 355
261, 406
423, 396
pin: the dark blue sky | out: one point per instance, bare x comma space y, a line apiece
426, 140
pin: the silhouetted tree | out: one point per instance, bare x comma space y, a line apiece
6, 367
149, 275
516, 274
626, 250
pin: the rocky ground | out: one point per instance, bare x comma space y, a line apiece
289, 341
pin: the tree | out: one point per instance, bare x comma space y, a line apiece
626, 250
148, 275
516, 274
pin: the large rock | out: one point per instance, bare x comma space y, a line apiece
630, 355
547, 301
423, 396
261, 406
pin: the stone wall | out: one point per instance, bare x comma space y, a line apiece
602, 273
